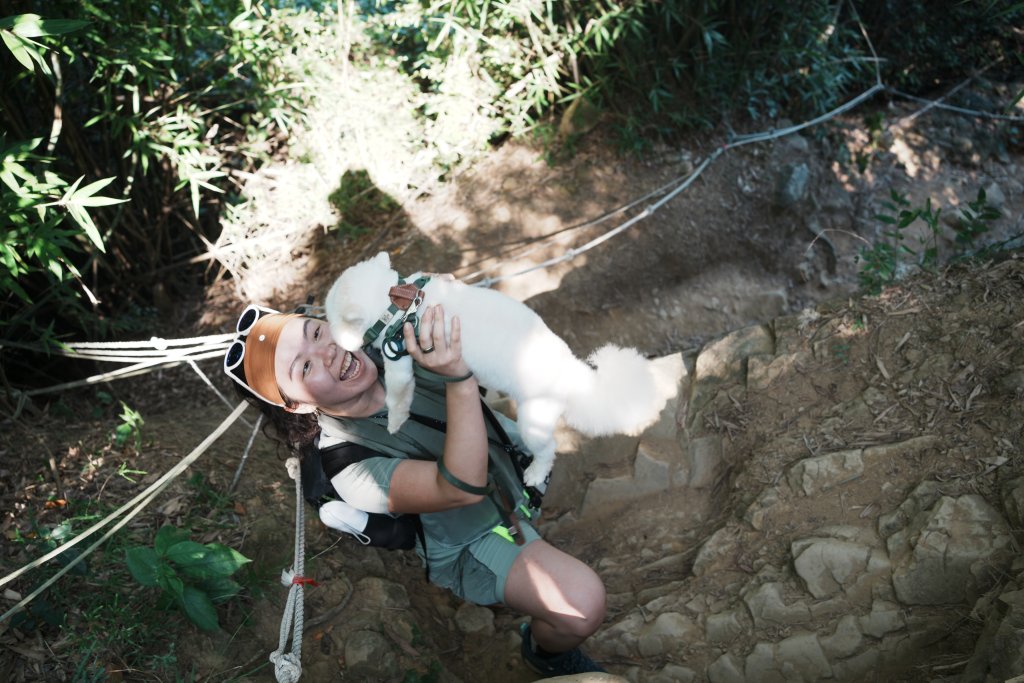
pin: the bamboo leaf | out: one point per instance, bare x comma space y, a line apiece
22, 50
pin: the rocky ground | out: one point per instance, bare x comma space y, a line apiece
837, 493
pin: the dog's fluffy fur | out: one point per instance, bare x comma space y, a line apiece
509, 348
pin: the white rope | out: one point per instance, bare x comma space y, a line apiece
288, 666
121, 373
138, 355
138, 502
680, 184
155, 342
959, 110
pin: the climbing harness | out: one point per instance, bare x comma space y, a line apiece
502, 498
405, 297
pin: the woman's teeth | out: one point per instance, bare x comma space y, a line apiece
349, 368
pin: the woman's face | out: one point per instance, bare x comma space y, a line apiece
317, 373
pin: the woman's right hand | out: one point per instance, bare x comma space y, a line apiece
434, 350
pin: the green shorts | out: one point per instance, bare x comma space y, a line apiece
478, 573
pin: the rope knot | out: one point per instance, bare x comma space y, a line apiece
293, 467
287, 667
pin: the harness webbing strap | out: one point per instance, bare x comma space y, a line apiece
398, 295
499, 495
458, 483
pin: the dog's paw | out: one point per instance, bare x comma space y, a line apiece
536, 473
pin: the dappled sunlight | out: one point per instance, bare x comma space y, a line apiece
907, 157
550, 592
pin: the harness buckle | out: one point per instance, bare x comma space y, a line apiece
506, 532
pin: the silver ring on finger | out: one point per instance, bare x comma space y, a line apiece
427, 350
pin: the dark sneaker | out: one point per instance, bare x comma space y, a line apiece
564, 664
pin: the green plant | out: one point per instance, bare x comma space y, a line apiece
121, 122
673, 64
974, 220
124, 471
130, 427
887, 260
195, 577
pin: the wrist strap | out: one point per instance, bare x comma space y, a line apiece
434, 377
458, 483
453, 380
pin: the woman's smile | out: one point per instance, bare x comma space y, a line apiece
350, 367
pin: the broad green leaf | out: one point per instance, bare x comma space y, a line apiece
20, 148
167, 536
220, 588
218, 560
54, 27
171, 582
92, 188
144, 565
34, 26
187, 554
99, 201
199, 608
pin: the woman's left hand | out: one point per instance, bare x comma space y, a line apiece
433, 349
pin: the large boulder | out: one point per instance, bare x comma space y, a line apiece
950, 553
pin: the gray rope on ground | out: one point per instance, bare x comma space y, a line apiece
288, 665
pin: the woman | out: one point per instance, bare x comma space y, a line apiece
290, 361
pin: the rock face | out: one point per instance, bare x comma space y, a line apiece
866, 525
950, 553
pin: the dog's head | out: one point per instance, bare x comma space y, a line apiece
358, 298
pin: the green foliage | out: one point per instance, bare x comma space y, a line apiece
196, 577
361, 204
974, 220
130, 427
670, 65
926, 42
120, 124
893, 256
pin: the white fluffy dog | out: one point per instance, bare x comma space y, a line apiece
510, 349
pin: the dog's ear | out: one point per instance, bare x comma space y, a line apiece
382, 259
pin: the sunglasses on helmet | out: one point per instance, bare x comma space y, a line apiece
236, 352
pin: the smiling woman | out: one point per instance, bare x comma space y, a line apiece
312, 372
455, 465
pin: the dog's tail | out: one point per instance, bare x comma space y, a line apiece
625, 394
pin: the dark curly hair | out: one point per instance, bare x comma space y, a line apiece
295, 431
